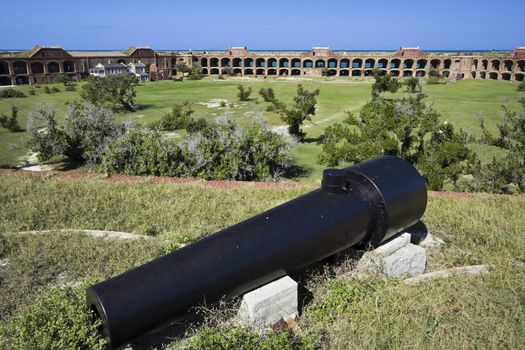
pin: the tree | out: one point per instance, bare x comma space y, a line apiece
303, 109
63, 79
178, 118
11, 123
435, 77
521, 86
182, 68
113, 92
412, 84
504, 174
384, 83
267, 94
244, 94
405, 127
195, 72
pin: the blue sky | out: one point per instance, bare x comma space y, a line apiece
265, 24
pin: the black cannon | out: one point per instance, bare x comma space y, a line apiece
366, 203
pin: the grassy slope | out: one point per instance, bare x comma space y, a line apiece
477, 312
460, 103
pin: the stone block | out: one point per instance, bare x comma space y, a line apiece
270, 303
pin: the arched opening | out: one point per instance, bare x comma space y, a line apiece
332, 63
320, 64
123, 61
407, 73
421, 64
446, 73
356, 73
173, 62
446, 64
521, 66
357, 63
226, 71
204, 62
370, 63
380, 72
473, 75
214, 71
69, 66
493, 76
331, 73
20, 67
508, 65
494, 65
435, 64
395, 63
272, 62
248, 71
248, 62
5, 81
214, 62
483, 75
344, 63
272, 71
368, 73
505, 76
474, 65
260, 72
408, 64
283, 72
22, 80
4, 69
344, 73
237, 71
237, 62
204, 71
519, 77
53, 67
296, 71
421, 73
284, 62
260, 63
225, 62
308, 64
382, 63
296, 62
394, 73
37, 68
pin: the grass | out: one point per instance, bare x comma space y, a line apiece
346, 312
461, 103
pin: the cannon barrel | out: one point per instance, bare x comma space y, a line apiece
369, 202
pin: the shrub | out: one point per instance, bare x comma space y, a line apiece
56, 319
178, 118
384, 83
54, 89
521, 86
11, 123
70, 87
47, 90
412, 84
144, 152
88, 131
405, 127
267, 94
32, 91
244, 94
10, 93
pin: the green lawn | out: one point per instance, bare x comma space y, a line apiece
346, 311
461, 103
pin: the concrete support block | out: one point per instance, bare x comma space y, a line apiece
270, 303
394, 258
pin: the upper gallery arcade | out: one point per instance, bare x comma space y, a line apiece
45, 64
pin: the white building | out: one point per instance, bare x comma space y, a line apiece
139, 70
103, 70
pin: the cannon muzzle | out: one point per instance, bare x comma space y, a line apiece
366, 203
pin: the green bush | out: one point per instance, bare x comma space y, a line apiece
244, 94
47, 90
113, 92
32, 91
10, 93
521, 86
11, 123
267, 94
54, 89
56, 319
178, 118
70, 87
